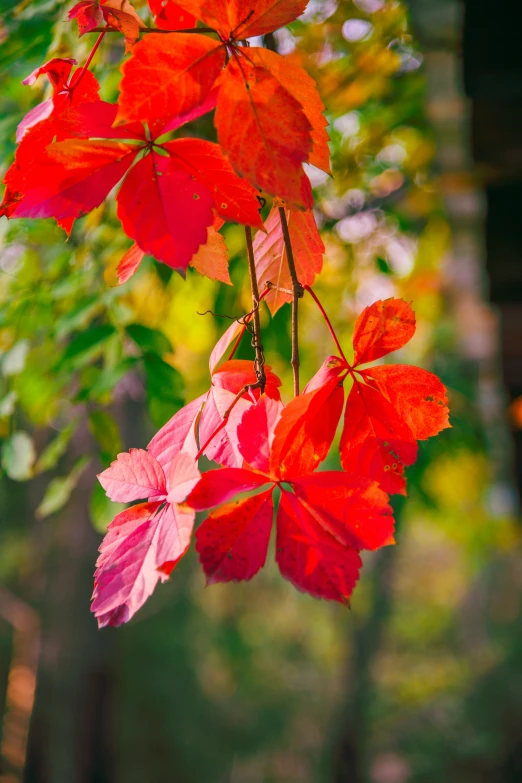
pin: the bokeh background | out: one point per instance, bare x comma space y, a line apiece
421, 681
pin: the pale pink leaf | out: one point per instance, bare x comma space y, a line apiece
134, 475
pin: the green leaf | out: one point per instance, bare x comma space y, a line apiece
78, 317
60, 489
18, 456
149, 340
101, 509
54, 450
7, 404
107, 433
163, 381
86, 345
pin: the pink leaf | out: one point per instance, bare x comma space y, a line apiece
178, 434
183, 477
132, 476
129, 263
233, 541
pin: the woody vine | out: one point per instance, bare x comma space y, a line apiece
174, 194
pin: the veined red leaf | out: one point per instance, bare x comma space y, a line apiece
218, 486
375, 441
306, 430
304, 89
134, 475
122, 526
238, 19
310, 557
354, 510
264, 131
236, 373
121, 15
271, 257
165, 210
72, 178
232, 542
183, 477
381, 328
88, 15
57, 71
168, 75
417, 395
168, 15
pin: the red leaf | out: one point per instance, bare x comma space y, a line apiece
264, 131
57, 71
218, 486
234, 199
236, 373
121, 15
233, 541
170, 16
304, 89
122, 526
381, 328
226, 339
165, 210
271, 257
417, 395
305, 431
310, 557
238, 19
376, 442
88, 14
72, 177
133, 476
168, 76
183, 477
353, 509
255, 432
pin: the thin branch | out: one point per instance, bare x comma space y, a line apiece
328, 323
297, 293
156, 30
94, 49
244, 321
256, 341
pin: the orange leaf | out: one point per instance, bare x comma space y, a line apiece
304, 89
264, 131
211, 259
238, 19
168, 75
417, 395
129, 263
271, 257
381, 328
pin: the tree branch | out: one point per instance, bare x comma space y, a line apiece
297, 293
256, 340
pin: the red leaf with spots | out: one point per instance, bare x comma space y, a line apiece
233, 541
381, 328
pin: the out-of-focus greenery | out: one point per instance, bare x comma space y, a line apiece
255, 682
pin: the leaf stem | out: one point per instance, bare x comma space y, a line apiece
256, 340
244, 321
297, 293
157, 30
328, 323
248, 387
94, 49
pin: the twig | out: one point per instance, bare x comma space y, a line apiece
328, 323
256, 341
297, 293
244, 322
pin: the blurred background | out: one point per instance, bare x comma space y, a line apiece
421, 681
